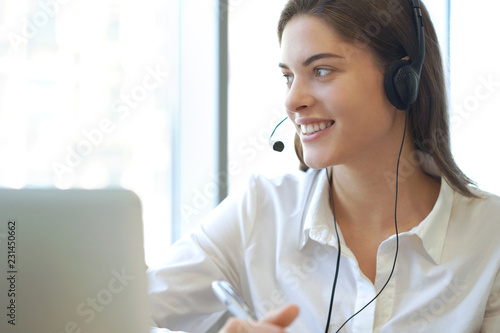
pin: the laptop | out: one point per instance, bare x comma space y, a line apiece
72, 261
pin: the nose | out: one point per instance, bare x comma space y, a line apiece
299, 97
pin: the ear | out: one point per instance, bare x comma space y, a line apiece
394, 83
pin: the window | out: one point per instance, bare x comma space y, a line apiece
475, 90
256, 94
83, 102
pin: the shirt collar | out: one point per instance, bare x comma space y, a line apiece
318, 219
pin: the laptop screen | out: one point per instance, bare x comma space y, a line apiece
72, 261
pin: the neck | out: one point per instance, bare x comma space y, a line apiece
365, 192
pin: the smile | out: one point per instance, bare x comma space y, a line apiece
316, 127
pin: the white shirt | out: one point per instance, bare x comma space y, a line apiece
277, 245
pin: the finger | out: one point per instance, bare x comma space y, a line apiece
284, 316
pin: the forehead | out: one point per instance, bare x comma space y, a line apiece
306, 35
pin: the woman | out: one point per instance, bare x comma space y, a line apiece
416, 248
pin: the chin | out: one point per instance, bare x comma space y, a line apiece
317, 162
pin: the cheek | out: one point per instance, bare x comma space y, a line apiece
362, 110
367, 97
337, 98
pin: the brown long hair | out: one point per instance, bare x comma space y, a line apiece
387, 28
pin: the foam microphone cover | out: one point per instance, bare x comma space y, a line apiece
278, 146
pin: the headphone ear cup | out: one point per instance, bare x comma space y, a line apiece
395, 84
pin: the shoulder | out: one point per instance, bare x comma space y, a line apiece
484, 204
291, 186
278, 198
478, 217
264, 195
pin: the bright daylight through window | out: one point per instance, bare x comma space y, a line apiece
82, 98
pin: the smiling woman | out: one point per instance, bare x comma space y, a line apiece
362, 103
430, 129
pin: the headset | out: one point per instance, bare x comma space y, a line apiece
402, 77
401, 84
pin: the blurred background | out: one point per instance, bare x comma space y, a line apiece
176, 99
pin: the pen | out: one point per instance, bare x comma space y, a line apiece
234, 303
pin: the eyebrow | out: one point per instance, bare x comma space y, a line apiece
313, 58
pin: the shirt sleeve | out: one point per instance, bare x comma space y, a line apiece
180, 291
162, 330
491, 321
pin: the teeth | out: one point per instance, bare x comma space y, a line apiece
313, 128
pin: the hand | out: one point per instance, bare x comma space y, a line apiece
274, 322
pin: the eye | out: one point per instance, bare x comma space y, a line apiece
288, 79
320, 72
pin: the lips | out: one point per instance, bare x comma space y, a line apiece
312, 128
